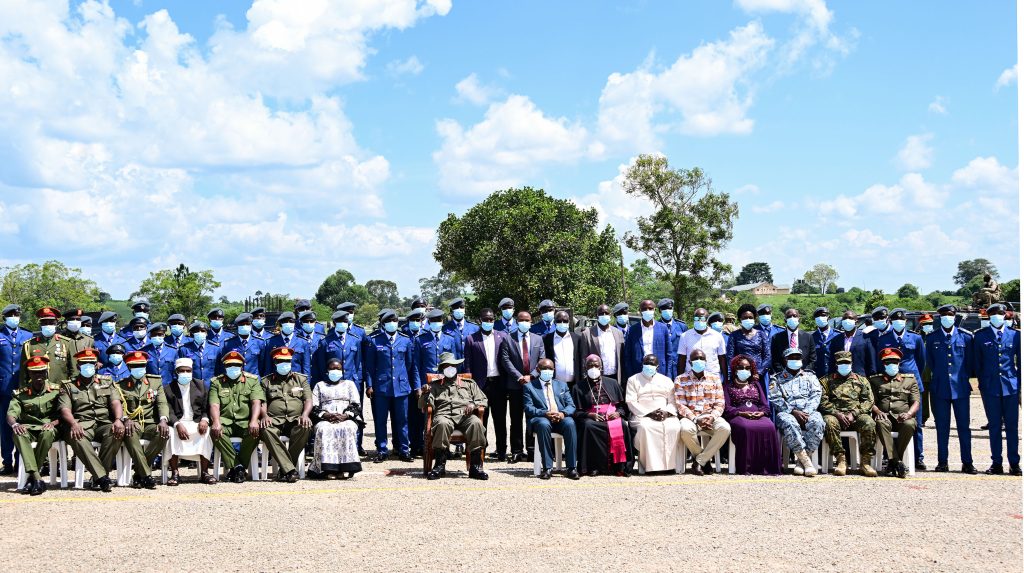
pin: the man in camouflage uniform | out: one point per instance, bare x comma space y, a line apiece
846, 403
91, 411
455, 399
897, 399
78, 340
49, 343
286, 413
145, 416
33, 418
235, 399
795, 396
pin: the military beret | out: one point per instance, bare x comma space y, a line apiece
764, 308
11, 308
115, 349
136, 358
86, 319
47, 312
716, 317
880, 310
258, 310
546, 303
107, 316
37, 363
88, 355
791, 351
340, 316
506, 302
419, 302
946, 308
307, 314
243, 317
665, 303
286, 315
820, 311
156, 326
997, 308
138, 321
415, 314
436, 314
620, 308
282, 353
302, 303
890, 354
174, 317
73, 313
926, 319
197, 325
233, 358
349, 306
844, 356
898, 313
730, 316
456, 302
140, 304
215, 312
387, 314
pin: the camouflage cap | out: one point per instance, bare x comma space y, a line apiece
844, 356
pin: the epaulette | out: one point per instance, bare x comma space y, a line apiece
250, 376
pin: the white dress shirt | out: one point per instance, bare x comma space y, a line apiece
490, 341
647, 337
608, 347
711, 342
565, 362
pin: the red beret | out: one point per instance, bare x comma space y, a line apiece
47, 312
87, 355
37, 363
890, 353
136, 357
927, 319
281, 352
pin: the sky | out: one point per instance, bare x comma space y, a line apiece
275, 141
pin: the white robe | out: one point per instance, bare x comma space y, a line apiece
657, 442
197, 444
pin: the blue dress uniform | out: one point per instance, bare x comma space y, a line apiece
429, 347
621, 310
348, 348
459, 328
129, 340
302, 306
205, 359
11, 340
546, 324
118, 372
950, 357
101, 340
140, 309
822, 358
997, 364
217, 333
390, 366
676, 328
770, 330
913, 348
415, 321
172, 339
252, 350
506, 324
302, 354
160, 358
353, 328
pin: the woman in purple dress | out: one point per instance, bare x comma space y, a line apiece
758, 450
751, 342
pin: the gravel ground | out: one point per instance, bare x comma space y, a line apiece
390, 519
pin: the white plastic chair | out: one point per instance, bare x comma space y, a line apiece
854, 438
80, 467
254, 465
702, 437
58, 457
818, 454
908, 456
124, 465
538, 461
165, 471
267, 463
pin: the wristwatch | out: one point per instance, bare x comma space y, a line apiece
124, 419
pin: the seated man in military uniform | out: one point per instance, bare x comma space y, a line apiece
235, 401
145, 416
91, 411
455, 399
32, 417
286, 410
897, 399
846, 402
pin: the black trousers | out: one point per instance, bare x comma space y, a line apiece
504, 403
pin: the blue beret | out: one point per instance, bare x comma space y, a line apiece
415, 314
11, 308
86, 319
620, 308
997, 308
258, 310
716, 317
197, 325
763, 308
387, 314
457, 301
107, 316
348, 306
302, 303
137, 321
115, 349
307, 314
545, 303
243, 317
946, 307
435, 314
286, 315
140, 303
340, 316
215, 311
880, 310
665, 303
506, 302
174, 317
898, 312
821, 310
157, 326
418, 302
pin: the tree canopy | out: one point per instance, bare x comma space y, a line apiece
34, 286
820, 276
754, 273
967, 270
178, 291
341, 287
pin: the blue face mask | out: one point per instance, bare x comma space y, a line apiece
74, 325
848, 324
139, 334
604, 319
258, 323
87, 370
138, 373
216, 324
562, 327
743, 375
287, 328
647, 315
507, 313
892, 369
435, 326
899, 325
184, 378
48, 330
844, 369
12, 322
650, 370
947, 321
86, 330
879, 324
985, 323
546, 375
309, 327
747, 323
821, 321
927, 328
283, 368
548, 316
700, 324
716, 326
698, 366
524, 326
157, 340
107, 327
622, 319
390, 327
792, 323
142, 315
794, 365
233, 372
414, 326
341, 327
334, 375
199, 336
666, 314
764, 319
486, 326
115, 359
244, 329
177, 329
997, 320
458, 313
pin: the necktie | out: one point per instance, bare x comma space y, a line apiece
999, 337
792, 339
550, 395
526, 354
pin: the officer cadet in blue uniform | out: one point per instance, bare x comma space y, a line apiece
137, 336
823, 332
997, 364
303, 305
413, 323
764, 322
546, 324
216, 332
621, 313
348, 348
251, 348
429, 346
308, 331
161, 355
676, 328
912, 349
12, 337
950, 357
205, 353
140, 309
390, 366
880, 324
116, 368
86, 327
459, 327
259, 323
506, 319
350, 308
177, 331
302, 354
106, 335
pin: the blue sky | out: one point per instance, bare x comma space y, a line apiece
275, 141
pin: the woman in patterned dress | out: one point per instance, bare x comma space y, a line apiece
334, 451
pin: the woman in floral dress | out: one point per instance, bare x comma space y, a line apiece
334, 452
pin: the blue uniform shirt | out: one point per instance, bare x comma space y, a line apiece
390, 365
205, 360
997, 361
132, 344
540, 328
913, 349
460, 331
822, 358
302, 354
11, 342
161, 361
349, 349
950, 357
676, 328
101, 342
429, 347
251, 349
119, 372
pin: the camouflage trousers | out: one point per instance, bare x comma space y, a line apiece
864, 425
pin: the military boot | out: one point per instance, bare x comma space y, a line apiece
840, 469
804, 460
440, 457
866, 469
476, 468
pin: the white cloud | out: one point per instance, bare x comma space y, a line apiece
748, 189
916, 154
1009, 76
615, 206
986, 173
939, 105
513, 141
769, 208
469, 89
911, 193
408, 67
812, 29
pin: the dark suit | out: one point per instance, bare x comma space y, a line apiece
493, 387
536, 404
590, 339
512, 368
861, 348
197, 397
804, 341
579, 359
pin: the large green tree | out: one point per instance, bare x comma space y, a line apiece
178, 291
643, 284
385, 293
754, 273
908, 291
523, 243
34, 286
341, 287
967, 270
821, 276
441, 288
690, 225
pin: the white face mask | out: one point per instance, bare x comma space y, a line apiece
593, 373
450, 372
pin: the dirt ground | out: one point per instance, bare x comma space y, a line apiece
391, 519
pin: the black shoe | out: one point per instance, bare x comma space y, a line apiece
1015, 470
30, 486
920, 466
476, 471
572, 474
545, 473
892, 467
405, 456
696, 469
380, 457
361, 451
440, 457
969, 469
516, 457
460, 450
708, 469
942, 468
901, 470
994, 470
147, 482
292, 476
498, 456
7, 470
104, 484
414, 452
239, 474
40, 487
